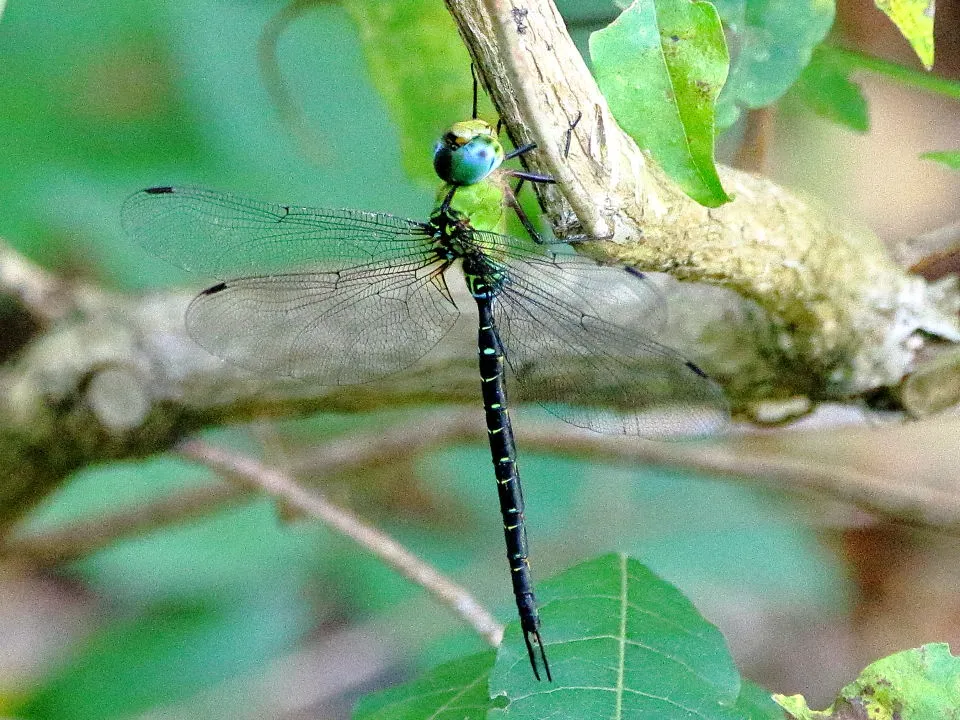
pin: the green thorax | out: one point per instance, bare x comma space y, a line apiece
481, 203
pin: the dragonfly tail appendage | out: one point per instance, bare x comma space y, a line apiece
532, 654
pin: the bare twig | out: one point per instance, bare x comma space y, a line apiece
117, 377
289, 110
753, 150
256, 475
738, 458
910, 502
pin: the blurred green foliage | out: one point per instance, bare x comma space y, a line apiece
103, 98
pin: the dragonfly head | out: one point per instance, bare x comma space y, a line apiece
467, 153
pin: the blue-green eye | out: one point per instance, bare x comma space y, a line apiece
467, 153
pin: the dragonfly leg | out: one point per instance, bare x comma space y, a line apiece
532, 177
523, 176
523, 149
517, 152
445, 205
570, 129
510, 196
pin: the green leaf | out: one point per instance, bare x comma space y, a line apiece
772, 42
621, 643
661, 66
918, 684
163, 656
454, 691
420, 67
825, 87
914, 19
756, 703
950, 158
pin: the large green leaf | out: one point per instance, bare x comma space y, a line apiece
918, 684
661, 65
771, 43
914, 18
826, 88
622, 643
421, 68
453, 691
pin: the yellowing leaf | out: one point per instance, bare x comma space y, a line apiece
914, 18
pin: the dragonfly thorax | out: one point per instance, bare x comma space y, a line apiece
455, 240
467, 153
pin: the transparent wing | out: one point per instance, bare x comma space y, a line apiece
576, 339
336, 328
222, 235
338, 296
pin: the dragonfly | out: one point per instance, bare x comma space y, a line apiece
344, 296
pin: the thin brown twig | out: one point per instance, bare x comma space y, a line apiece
902, 502
752, 153
884, 497
257, 475
289, 110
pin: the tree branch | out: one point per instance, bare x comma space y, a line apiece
446, 592
829, 316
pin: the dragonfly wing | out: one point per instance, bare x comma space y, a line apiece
222, 235
336, 328
575, 339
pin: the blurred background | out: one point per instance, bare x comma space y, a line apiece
243, 614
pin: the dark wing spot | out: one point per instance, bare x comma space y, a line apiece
163, 190
636, 273
215, 289
697, 370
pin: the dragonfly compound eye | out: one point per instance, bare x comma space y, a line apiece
467, 153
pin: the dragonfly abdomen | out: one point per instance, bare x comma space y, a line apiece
504, 454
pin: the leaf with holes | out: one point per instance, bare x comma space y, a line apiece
918, 684
661, 65
622, 643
